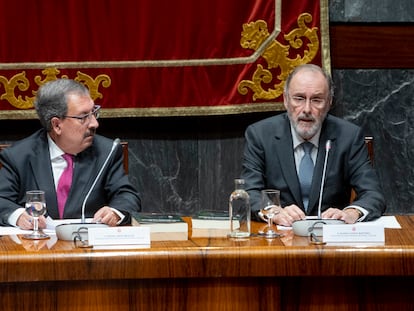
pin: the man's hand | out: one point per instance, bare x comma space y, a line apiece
288, 215
107, 216
25, 222
349, 216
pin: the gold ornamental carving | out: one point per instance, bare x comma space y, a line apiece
277, 55
19, 82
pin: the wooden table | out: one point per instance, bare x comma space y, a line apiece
211, 274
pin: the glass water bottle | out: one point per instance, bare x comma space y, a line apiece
239, 211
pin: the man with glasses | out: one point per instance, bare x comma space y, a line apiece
287, 152
69, 119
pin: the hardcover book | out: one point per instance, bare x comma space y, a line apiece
213, 220
162, 226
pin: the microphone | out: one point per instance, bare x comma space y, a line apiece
114, 144
70, 231
327, 148
313, 226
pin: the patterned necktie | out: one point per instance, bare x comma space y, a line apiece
306, 173
64, 184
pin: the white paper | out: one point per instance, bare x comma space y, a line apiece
389, 222
119, 236
354, 233
52, 223
17, 230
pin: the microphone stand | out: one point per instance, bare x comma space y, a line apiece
115, 143
313, 227
327, 148
79, 231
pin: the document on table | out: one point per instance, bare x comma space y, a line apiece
389, 222
50, 226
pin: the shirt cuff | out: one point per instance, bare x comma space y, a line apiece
122, 216
361, 209
12, 220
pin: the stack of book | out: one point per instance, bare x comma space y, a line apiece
163, 227
212, 224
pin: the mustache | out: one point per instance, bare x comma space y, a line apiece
304, 117
91, 132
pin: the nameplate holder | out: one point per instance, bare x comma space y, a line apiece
359, 233
119, 236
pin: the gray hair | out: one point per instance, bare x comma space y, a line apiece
51, 99
311, 67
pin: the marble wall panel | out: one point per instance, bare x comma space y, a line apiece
371, 11
382, 101
188, 164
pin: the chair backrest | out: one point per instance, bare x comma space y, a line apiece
3, 146
124, 145
369, 143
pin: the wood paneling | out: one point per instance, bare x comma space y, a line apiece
221, 294
210, 274
365, 46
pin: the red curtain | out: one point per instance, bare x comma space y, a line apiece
157, 57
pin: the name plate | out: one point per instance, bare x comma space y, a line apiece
119, 236
354, 233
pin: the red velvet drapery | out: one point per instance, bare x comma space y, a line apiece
159, 58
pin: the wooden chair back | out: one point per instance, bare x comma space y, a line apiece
124, 145
369, 143
3, 146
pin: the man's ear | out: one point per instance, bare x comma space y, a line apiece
285, 100
55, 122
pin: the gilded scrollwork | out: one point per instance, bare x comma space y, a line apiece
93, 84
50, 74
20, 82
277, 55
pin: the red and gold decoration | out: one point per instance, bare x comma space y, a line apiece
160, 58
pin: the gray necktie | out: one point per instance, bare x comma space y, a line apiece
306, 173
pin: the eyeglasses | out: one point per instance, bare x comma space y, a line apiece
301, 100
83, 118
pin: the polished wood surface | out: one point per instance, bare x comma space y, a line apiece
210, 273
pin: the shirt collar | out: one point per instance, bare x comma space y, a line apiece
297, 140
54, 150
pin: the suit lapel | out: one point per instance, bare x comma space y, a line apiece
43, 175
327, 133
284, 149
83, 174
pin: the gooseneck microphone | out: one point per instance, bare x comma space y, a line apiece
114, 144
313, 226
73, 230
327, 148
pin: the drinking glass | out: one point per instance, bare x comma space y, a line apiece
36, 207
270, 206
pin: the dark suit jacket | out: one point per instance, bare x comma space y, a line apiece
26, 166
269, 163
